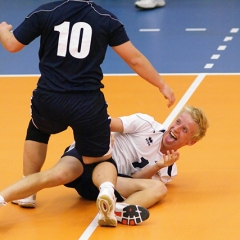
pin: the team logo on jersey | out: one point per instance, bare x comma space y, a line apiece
149, 141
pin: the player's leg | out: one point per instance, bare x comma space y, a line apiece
103, 177
34, 154
92, 137
143, 192
124, 213
66, 170
35, 149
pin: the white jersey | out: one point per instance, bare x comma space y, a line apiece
138, 146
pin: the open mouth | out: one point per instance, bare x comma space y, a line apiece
173, 135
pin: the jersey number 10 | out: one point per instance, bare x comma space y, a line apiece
80, 30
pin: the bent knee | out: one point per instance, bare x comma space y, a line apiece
160, 190
57, 178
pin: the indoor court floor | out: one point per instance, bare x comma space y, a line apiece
195, 45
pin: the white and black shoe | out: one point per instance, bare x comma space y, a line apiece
130, 214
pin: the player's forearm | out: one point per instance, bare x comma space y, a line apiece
8, 40
144, 69
139, 63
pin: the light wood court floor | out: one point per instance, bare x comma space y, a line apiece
202, 202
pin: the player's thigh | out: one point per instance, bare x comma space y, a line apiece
127, 186
66, 170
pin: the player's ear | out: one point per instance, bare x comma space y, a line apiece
191, 142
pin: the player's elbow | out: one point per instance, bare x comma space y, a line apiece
13, 45
13, 48
10, 49
136, 61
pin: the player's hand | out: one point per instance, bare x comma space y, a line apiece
4, 25
168, 94
168, 159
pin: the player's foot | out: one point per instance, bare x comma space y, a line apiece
106, 206
130, 214
148, 4
29, 202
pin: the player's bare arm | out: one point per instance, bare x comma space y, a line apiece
7, 39
116, 125
140, 64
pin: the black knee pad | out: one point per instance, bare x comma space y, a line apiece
36, 135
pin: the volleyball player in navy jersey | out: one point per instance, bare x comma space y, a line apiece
74, 39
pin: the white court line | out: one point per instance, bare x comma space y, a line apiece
234, 30
209, 65
195, 29
131, 74
222, 47
226, 39
93, 225
149, 30
215, 56
184, 99
90, 229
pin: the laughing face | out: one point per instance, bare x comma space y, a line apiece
179, 133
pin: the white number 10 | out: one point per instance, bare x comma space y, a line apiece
76, 49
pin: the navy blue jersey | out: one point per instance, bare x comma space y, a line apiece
74, 39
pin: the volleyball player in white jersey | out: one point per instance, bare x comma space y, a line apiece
138, 146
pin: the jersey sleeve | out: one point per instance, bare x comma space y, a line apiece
118, 34
28, 30
136, 123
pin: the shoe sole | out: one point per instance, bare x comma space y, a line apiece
132, 215
105, 206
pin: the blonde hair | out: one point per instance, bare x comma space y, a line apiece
200, 118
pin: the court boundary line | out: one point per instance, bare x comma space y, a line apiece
127, 74
94, 224
90, 229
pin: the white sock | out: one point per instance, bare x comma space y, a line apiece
2, 201
106, 184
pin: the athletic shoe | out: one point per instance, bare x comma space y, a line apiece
147, 4
130, 214
106, 204
29, 202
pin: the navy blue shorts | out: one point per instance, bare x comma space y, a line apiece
85, 112
84, 184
